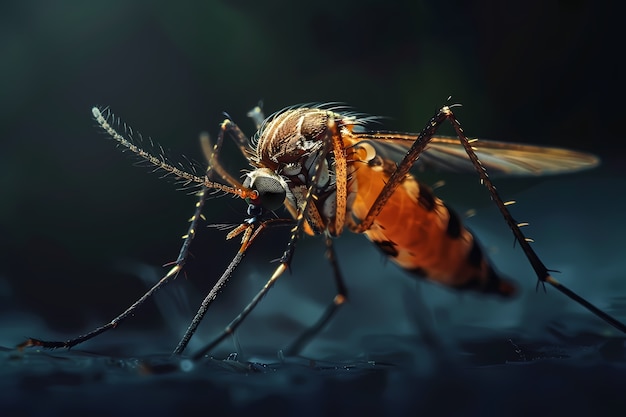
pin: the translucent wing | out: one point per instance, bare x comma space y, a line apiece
510, 159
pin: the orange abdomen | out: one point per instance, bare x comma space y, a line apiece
416, 230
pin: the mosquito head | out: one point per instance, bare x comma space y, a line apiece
271, 188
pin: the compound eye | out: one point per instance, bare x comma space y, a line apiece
271, 192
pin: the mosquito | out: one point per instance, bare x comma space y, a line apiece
322, 164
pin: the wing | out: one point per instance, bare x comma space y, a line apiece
510, 159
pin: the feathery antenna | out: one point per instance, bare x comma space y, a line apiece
161, 163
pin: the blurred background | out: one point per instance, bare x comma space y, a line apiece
83, 232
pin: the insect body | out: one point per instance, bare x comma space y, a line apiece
414, 228
330, 174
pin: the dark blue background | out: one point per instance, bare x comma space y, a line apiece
82, 230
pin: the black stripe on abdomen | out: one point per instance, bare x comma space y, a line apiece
453, 230
387, 247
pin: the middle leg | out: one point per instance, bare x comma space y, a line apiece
338, 300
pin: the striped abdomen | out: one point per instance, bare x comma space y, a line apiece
418, 231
